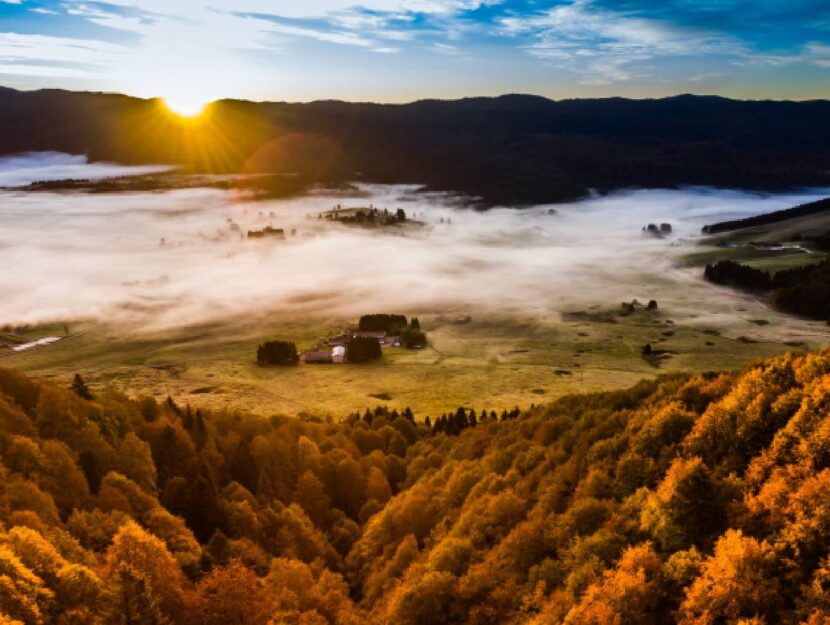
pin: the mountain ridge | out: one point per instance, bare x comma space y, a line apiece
510, 150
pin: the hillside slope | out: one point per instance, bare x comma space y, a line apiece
776, 217
694, 500
511, 149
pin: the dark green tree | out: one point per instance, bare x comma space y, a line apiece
80, 388
363, 349
277, 353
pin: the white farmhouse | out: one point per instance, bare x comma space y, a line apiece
338, 354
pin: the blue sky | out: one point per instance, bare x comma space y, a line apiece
402, 50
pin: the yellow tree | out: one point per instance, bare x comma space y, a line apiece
737, 581
232, 595
624, 595
145, 576
23, 595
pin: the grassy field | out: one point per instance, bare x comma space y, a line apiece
492, 362
736, 246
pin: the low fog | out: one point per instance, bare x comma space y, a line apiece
22, 169
77, 255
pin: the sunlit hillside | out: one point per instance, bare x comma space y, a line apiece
696, 500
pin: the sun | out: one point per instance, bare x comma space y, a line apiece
185, 104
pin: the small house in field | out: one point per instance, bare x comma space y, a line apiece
339, 340
317, 357
338, 354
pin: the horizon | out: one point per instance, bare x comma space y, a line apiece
429, 99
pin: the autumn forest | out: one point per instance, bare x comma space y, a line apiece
690, 499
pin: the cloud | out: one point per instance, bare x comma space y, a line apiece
267, 49
48, 56
609, 46
817, 54
302, 9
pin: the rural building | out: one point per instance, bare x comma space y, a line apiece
338, 354
317, 357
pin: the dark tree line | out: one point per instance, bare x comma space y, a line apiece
802, 210
455, 423
803, 291
730, 273
390, 324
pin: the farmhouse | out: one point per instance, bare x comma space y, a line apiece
339, 340
338, 354
317, 357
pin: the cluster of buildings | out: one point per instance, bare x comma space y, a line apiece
335, 348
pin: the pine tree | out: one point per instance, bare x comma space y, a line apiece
80, 388
199, 433
187, 418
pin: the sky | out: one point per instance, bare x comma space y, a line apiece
190, 51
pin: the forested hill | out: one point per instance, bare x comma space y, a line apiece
695, 500
512, 149
802, 210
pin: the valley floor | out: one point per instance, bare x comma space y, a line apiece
492, 362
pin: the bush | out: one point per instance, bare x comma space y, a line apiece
277, 353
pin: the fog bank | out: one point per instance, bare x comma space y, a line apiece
22, 169
73, 255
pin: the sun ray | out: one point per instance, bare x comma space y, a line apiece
186, 105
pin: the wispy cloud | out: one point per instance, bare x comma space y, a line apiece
605, 46
52, 54
245, 47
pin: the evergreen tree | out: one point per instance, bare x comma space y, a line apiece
199, 433
80, 387
204, 515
